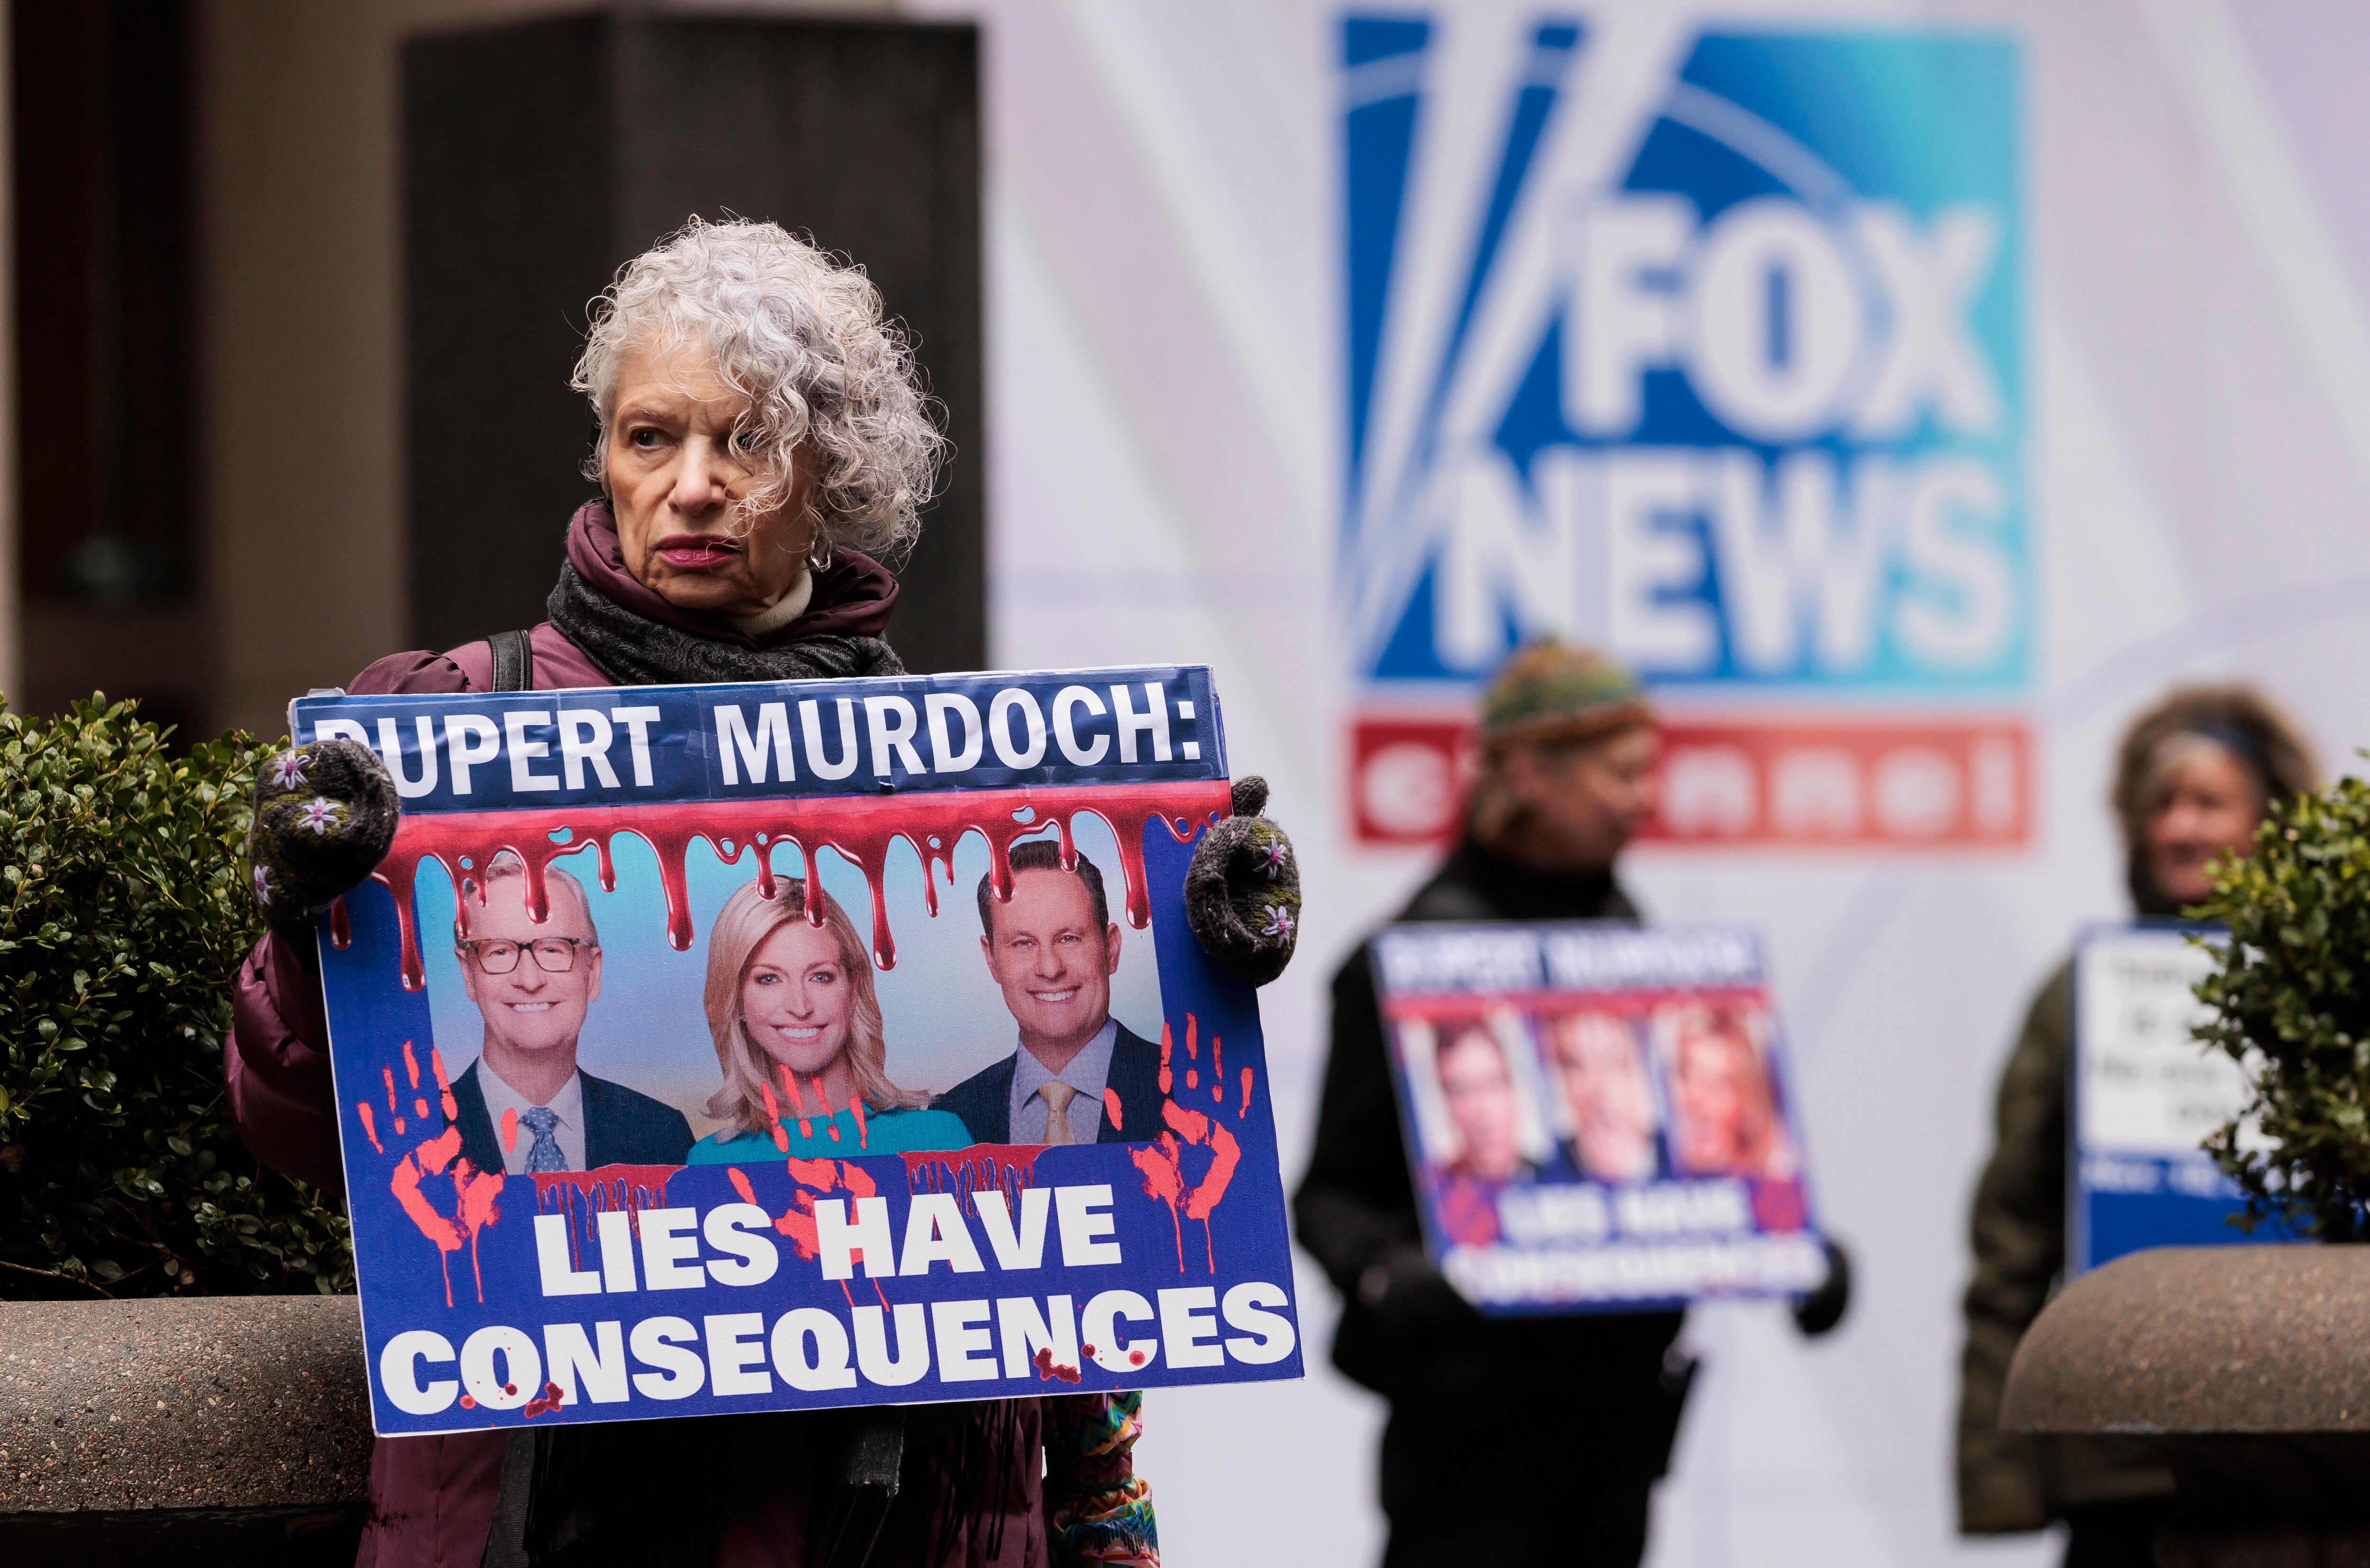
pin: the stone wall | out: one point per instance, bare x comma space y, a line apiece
231, 1429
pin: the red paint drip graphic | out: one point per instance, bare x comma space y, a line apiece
1162, 1165
475, 1194
369, 1128
798, 1101
1111, 1109
613, 1189
411, 1064
814, 1179
546, 1400
1048, 1367
1244, 1109
1162, 1183
509, 1129
860, 828
1217, 1072
1166, 1082
1009, 1169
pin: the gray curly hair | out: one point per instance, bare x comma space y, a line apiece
804, 337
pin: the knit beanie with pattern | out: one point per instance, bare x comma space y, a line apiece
1552, 691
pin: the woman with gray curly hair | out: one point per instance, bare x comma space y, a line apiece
764, 442
762, 439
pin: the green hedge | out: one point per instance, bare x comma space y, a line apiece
123, 916
2290, 1004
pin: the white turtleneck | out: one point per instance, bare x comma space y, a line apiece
784, 610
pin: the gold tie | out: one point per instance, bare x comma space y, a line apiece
1057, 1096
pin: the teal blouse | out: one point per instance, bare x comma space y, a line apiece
886, 1132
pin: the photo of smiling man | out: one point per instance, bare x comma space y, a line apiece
523, 1105
1079, 1076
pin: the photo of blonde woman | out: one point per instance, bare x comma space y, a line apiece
796, 1027
1726, 1105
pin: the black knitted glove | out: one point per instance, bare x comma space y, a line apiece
1410, 1298
324, 816
1822, 1309
1242, 890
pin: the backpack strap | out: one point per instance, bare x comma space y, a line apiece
513, 661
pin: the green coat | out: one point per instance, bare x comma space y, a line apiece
2007, 1481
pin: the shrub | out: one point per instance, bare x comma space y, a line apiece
2289, 1004
123, 918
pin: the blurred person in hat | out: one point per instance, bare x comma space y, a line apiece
2194, 777
1523, 1440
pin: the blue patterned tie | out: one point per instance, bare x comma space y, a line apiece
545, 1154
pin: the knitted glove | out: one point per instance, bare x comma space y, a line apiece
1097, 1508
1821, 1310
1242, 890
324, 816
1410, 1298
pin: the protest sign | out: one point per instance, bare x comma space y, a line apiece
2146, 1093
667, 1085
1597, 1115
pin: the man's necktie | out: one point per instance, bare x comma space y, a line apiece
543, 1155
1057, 1096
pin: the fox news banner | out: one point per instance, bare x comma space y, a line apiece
2146, 1093
1719, 368
1597, 1115
693, 892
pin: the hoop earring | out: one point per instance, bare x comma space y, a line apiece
818, 552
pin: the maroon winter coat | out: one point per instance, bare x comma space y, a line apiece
432, 1499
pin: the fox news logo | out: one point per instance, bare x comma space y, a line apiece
1714, 363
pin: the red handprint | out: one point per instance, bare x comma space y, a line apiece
1162, 1163
477, 1194
815, 1179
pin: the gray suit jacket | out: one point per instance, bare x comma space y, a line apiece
984, 1100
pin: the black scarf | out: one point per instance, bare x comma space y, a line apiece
633, 649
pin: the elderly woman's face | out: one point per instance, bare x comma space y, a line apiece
2206, 807
674, 476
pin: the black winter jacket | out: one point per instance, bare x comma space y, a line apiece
1602, 1375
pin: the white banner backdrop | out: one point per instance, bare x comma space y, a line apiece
2182, 363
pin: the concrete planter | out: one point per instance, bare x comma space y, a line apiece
223, 1429
2248, 1368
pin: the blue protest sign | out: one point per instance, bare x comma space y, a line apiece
668, 1085
1597, 1115
2144, 1094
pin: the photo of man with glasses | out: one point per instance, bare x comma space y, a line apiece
523, 1105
